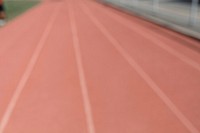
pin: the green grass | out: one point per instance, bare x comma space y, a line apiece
16, 8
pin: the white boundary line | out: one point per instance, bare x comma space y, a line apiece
27, 73
156, 41
183, 119
83, 84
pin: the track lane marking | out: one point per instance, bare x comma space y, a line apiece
183, 119
27, 73
158, 42
82, 79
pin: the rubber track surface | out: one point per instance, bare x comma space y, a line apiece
76, 66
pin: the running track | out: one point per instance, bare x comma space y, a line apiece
76, 66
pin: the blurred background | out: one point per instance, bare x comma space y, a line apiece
184, 13
14, 8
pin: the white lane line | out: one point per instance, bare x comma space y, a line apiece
83, 84
183, 119
152, 38
11, 106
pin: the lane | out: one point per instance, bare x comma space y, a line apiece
51, 101
14, 60
26, 73
152, 84
186, 42
121, 100
83, 84
179, 81
153, 35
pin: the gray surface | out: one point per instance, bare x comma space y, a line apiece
173, 14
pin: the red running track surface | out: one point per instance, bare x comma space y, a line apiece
76, 66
